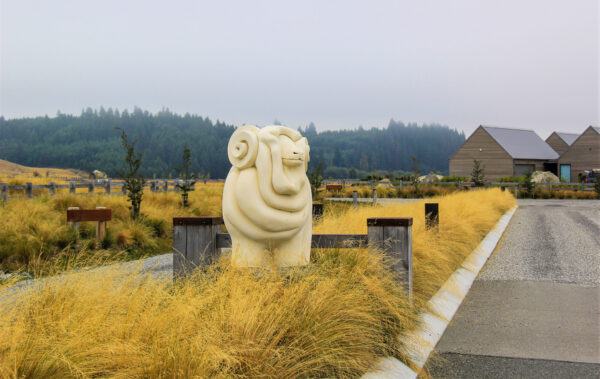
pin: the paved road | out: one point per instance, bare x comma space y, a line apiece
534, 310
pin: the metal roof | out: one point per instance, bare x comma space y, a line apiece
569, 138
521, 143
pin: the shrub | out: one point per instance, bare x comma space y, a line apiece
512, 179
478, 174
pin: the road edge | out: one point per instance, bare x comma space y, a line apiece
442, 307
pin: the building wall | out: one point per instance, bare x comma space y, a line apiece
539, 164
497, 162
584, 153
557, 143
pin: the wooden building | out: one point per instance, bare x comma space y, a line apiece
561, 142
503, 152
582, 155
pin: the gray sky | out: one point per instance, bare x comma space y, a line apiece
528, 64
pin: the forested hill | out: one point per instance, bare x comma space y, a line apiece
90, 142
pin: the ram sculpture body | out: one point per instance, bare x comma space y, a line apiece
267, 201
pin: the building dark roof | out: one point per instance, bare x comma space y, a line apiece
521, 143
569, 138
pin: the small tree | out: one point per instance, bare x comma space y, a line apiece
414, 178
316, 179
478, 174
352, 174
597, 185
134, 182
188, 179
528, 184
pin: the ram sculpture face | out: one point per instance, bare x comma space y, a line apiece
267, 201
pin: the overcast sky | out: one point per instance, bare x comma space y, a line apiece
341, 64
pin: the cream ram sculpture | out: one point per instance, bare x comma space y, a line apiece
267, 201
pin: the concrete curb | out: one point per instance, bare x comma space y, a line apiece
443, 305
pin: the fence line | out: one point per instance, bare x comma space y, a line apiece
167, 185
104, 186
460, 184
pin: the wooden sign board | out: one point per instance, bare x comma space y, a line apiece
333, 187
82, 215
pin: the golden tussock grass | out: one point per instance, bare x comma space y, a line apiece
332, 318
465, 218
34, 232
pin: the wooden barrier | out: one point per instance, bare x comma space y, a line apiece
197, 242
4, 191
101, 215
317, 209
432, 215
393, 235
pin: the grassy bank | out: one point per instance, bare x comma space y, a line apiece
332, 318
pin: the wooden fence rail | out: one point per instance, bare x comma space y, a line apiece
94, 186
166, 185
197, 242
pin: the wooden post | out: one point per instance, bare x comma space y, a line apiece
432, 215
91, 186
100, 228
74, 225
393, 235
517, 191
29, 189
72, 188
52, 188
317, 210
123, 188
4, 191
374, 196
166, 185
108, 186
194, 243
355, 199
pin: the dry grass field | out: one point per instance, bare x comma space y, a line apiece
332, 318
11, 170
35, 237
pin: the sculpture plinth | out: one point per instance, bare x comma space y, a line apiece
267, 201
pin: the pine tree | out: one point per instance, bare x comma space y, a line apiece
478, 174
528, 184
188, 179
134, 182
316, 179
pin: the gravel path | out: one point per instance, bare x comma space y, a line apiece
160, 266
533, 310
550, 240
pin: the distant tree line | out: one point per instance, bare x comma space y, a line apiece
89, 141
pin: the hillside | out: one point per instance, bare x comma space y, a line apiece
9, 169
89, 141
